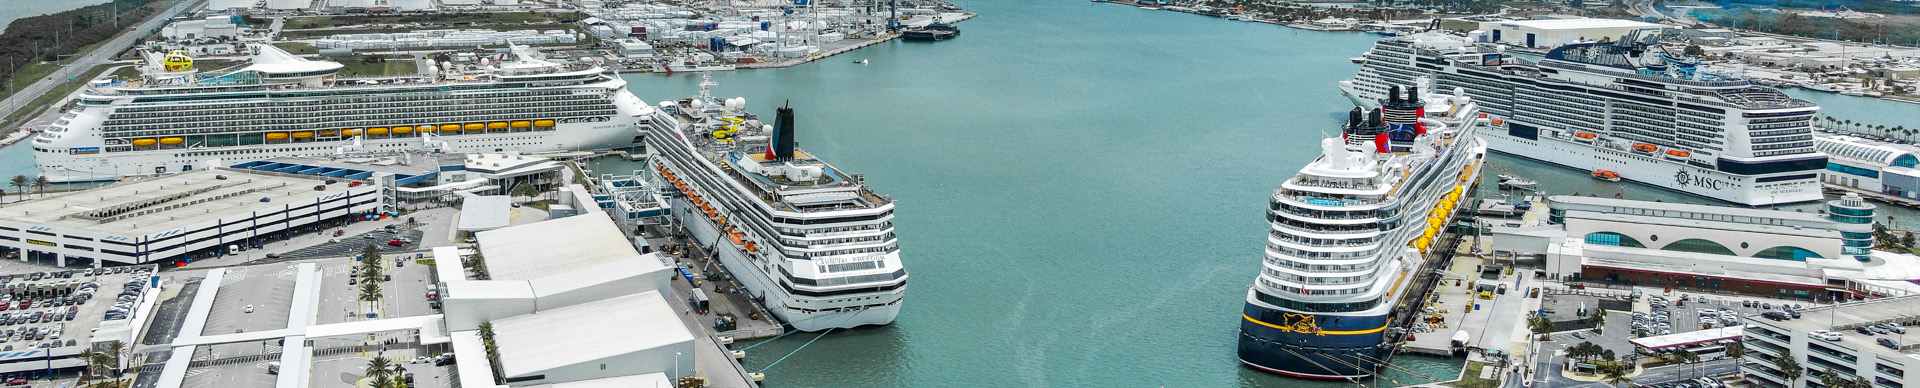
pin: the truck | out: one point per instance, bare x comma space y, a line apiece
698, 301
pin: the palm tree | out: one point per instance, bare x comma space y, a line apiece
41, 183
1830, 379
1789, 367
20, 184
1615, 372
370, 272
1539, 325
370, 291
86, 374
1598, 319
1860, 382
1686, 357
378, 370
1737, 351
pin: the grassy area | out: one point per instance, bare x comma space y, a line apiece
297, 48
393, 66
1472, 378
310, 34
442, 19
57, 93
1458, 25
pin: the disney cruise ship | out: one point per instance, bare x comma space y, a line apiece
810, 241
1624, 109
1351, 231
282, 105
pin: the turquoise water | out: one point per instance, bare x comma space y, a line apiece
16, 9
1080, 190
1862, 109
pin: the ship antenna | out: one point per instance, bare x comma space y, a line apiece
706, 83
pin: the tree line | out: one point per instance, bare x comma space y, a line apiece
46, 37
1787, 23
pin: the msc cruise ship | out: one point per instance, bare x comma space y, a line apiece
1626, 107
810, 241
1350, 233
176, 117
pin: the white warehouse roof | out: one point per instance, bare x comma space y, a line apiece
526, 252
485, 213
591, 332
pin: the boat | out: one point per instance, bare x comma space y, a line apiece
808, 240
1746, 143
1645, 148
1817, 86
862, 61
1517, 183
932, 32
280, 105
690, 65
1854, 92
1350, 233
1605, 175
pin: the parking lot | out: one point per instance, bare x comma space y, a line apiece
344, 369
43, 308
349, 245
239, 374
403, 296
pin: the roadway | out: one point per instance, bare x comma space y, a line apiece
100, 55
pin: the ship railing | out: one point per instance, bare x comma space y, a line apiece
1316, 230
1331, 184
1329, 201
1622, 73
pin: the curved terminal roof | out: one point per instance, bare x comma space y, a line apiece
273, 60
1865, 150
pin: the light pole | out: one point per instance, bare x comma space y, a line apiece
676, 365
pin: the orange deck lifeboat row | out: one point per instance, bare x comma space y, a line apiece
1679, 153
1644, 147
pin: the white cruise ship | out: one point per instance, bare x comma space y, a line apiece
282, 105
1350, 234
808, 240
1625, 109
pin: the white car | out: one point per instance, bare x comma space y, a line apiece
249, 308
1825, 335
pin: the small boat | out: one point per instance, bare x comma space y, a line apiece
1644, 147
1515, 183
863, 61
1606, 175
931, 33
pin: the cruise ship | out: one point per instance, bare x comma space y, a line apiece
176, 118
1625, 107
1350, 234
811, 242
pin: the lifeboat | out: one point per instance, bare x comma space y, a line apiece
497, 125
403, 129
1583, 135
1644, 147
172, 140
144, 142
522, 124
1606, 175
377, 131
475, 126
450, 128
329, 132
276, 135
751, 247
543, 123
1679, 153
735, 237
303, 134
1499, 121
426, 128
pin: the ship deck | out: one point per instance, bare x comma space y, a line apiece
767, 189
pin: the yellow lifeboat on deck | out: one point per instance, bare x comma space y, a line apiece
450, 128
172, 140
403, 129
1644, 147
349, 132
497, 125
276, 135
303, 134
543, 123
522, 124
426, 128
144, 142
377, 131
475, 126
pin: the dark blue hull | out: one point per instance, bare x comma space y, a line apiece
1310, 346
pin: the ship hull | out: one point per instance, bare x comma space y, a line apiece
777, 297
1658, 170
1310, 346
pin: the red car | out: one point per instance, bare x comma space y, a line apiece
396, 242
17, 381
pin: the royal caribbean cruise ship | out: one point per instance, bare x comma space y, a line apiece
810, 241
1350, 234
175, 117
1624, 109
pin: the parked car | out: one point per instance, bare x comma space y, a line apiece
1825, 335
1888, 343
1863, 330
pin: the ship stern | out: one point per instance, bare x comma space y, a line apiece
1311, 346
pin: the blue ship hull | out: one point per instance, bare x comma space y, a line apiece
1310, 346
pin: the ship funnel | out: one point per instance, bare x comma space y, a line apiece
1393, 94
783, 140
1353, 118
1413, 93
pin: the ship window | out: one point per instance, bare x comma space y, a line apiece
1614, 239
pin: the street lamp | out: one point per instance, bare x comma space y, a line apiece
676, 365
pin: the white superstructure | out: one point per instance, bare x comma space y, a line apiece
1627, 107
281, 105
813, 243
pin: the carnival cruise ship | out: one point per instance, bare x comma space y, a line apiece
1626, 107
811, 242
176, 118
1350, 234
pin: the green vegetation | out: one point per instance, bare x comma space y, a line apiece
297, 48
47, 37
1895, 29
481, 18
1471, 379
376, 65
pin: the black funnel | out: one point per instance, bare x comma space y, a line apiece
1374, 119
1413, 93
783, 140
1393, 94
1353, 118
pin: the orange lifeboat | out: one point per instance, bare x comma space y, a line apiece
349, 132
377, 131
497, 125
1499, 121
475, 126
403, 129
450, 128
275, 135
1583, 135
751, 247
302, 134
1644, 147
543, 123
522, 124
1679, 153
1605, 175
172, 140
